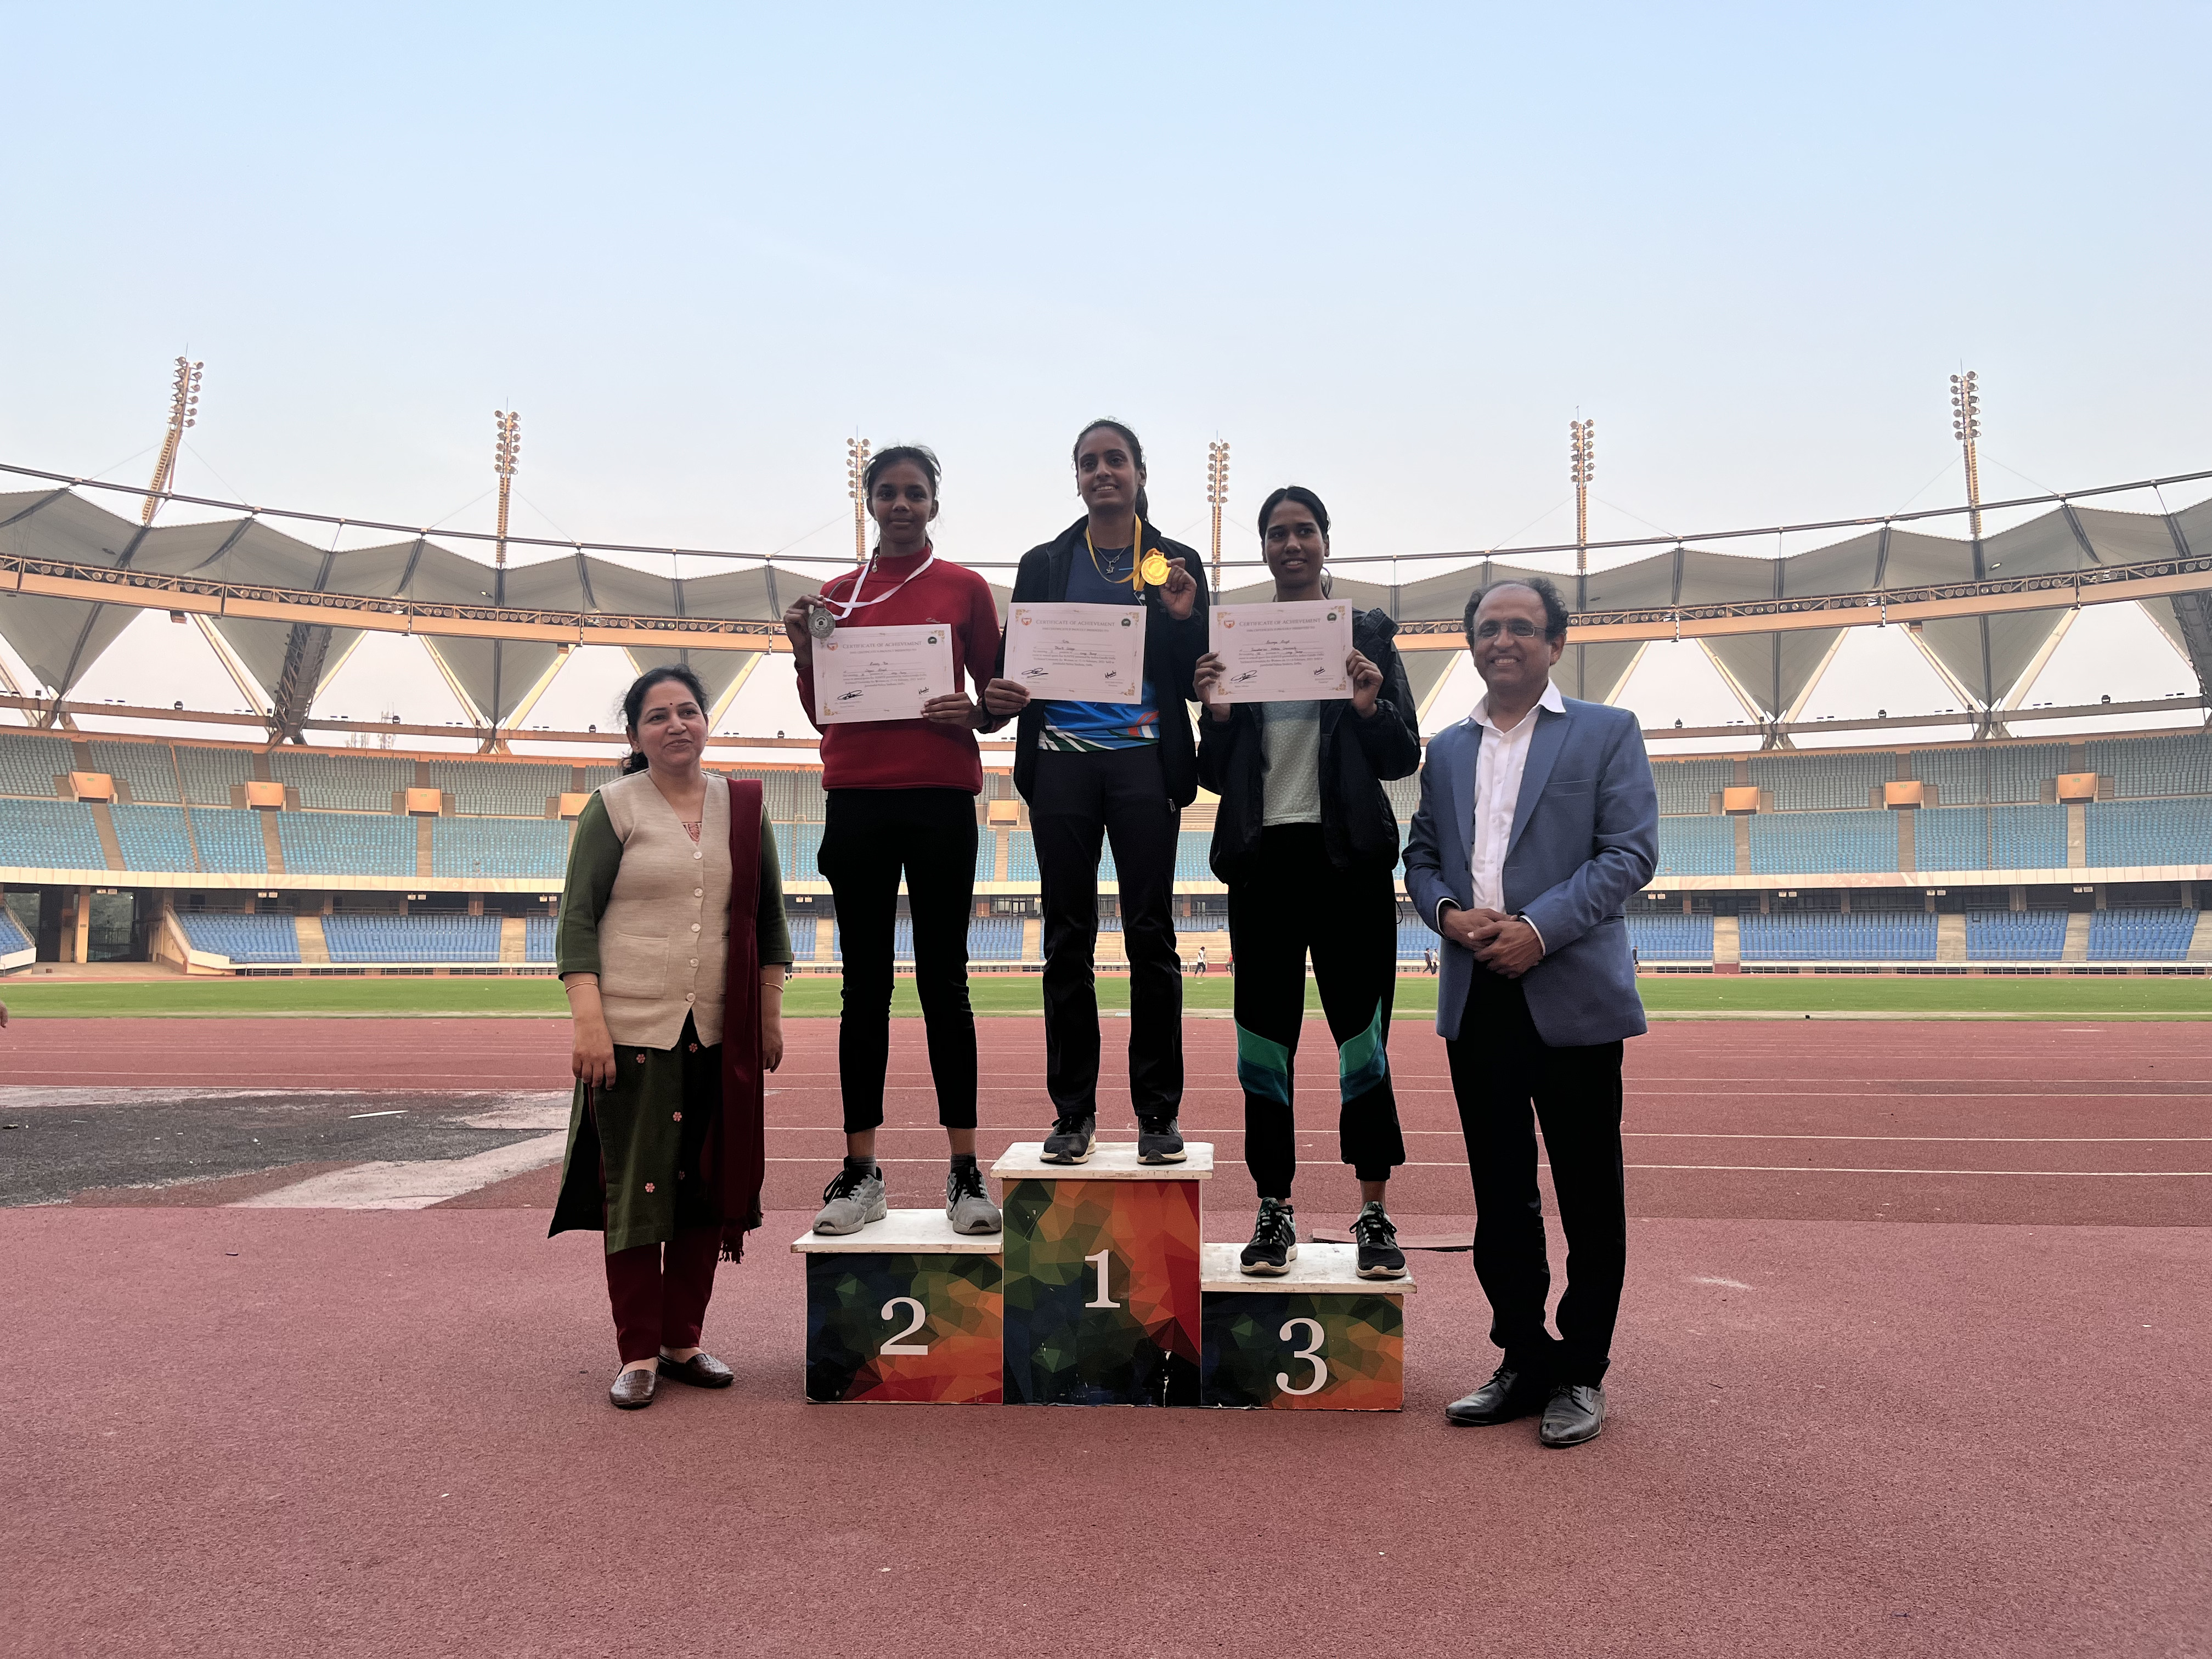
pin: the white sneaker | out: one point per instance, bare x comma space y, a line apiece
851, 1201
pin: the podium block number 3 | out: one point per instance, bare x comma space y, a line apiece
899, 1343
1104, 1299
1310, 1351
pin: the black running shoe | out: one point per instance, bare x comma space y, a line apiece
1379, 1254
1159, 1142
1274, 1244
1070, 1140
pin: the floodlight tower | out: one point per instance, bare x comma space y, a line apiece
184, 412
856, 485
506, 455
1216, 497
1966, 427
1581, 457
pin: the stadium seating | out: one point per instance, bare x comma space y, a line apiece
1827, 781
230, 841
12, 936
363, 781
1990, 838
1995, 775
1686, 788
1795, 843
208, 773
245, 939
488, 789
2015, 935
2179, 763
346, 843
153, 837
1697, 847
994, 938
1671, 938
407, 940
537, 937
1891, 935
800, 845
986, 855
29, 764
496, 847
1405, 795
1021, 856
1414, 937
596, 776
2119, 833
50, 834
1191, 848
145, 768
2145, 935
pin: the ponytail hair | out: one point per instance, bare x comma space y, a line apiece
633, 705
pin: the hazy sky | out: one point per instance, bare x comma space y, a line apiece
1389, 251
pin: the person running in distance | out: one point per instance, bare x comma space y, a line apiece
1306, 841
902, 800
1119, 771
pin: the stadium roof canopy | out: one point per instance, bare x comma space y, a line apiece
494, 634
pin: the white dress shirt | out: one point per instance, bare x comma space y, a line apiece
1499, 766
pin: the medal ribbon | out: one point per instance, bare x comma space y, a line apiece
845, 612
1136, 556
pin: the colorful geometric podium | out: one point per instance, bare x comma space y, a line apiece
1097, 1294
1101, 1277
1320, 1338
906, 1310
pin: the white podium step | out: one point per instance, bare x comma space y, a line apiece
1110, 1160
1322, 1268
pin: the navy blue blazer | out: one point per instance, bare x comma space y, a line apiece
1585, 837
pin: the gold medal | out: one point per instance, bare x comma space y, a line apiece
1156, 571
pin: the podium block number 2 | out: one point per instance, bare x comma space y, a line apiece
900, 1345
1311, 1352
1104, 1299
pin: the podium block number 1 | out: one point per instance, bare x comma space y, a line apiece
899, 1343
1104, 1299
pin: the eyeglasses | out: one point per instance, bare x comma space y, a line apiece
1519, 627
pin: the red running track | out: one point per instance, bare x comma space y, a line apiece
255, 1432
1910, 1120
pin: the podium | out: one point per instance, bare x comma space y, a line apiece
905, 1310
1318, 1338
1101, 1277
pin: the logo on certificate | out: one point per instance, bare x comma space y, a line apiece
1125, 621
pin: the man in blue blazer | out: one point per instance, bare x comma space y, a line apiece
1538, 819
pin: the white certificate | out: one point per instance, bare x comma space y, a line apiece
1086, 653
1283, 652
881, 674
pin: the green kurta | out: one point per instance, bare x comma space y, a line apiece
646, 1132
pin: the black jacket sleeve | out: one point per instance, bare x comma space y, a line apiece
1391, 737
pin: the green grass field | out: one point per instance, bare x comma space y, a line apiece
2051, 998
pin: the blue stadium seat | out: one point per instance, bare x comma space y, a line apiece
986, 855
2123, 833
1815, 936
1823, 781
1988, 775
50, 834
152, 837
1697, 847
1686, 787
1191, 848
499, 846
146, 767
1990, 838
346, 843
800, 845
1657, 938
509, 789
411, 940
210, 772
361, 781
1021, 856
2145, 935
1414, 937
250, 939
1805, 843
30, 762
12, 936
537, 937
2015, 935
230, 841
2177, 763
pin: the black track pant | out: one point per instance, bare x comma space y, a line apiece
1288, 899
1117, 796
1499, 1067
868, 836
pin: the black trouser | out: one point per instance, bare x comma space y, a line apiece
1122, 795
1287, 899
1499, 1066
867, 836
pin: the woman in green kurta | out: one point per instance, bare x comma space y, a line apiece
672, 946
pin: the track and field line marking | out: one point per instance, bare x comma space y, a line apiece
409, 1185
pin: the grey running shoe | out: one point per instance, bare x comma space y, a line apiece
1159, 1142
1379, 1254
1070, 1140
851, 1201
968, 1204
1274, 1244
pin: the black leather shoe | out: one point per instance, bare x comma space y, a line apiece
1575, 1412
1160, 1142
1508, 1394
1070, 1140
633, 1391
700, 1370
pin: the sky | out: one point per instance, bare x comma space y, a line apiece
1389, 251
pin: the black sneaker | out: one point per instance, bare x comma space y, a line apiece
1070, 1140
1274, 1244
1159, 1142
1379, 1254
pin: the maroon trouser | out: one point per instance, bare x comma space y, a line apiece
662, 1305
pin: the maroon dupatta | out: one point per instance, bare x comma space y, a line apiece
744, 1152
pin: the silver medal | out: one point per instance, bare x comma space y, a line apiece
821, 624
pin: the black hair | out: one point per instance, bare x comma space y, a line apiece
1304, 497
633, 704
1555, 608
920, 454
1136, 454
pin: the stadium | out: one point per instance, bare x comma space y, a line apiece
297, 854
